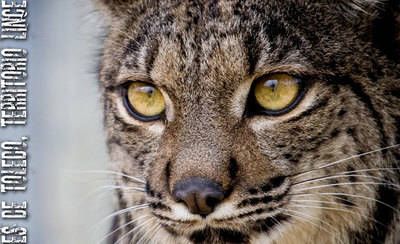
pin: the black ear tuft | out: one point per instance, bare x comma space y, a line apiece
386, 30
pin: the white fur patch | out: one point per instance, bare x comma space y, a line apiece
224, 210
181, 212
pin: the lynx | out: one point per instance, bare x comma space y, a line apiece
253, 121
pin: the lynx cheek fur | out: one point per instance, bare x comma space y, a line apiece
210, 169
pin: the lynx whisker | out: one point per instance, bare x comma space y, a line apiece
307, 218
122, 211
278, 223
333, 208
155, 232
371, 169
316, 201
322, 207
340, 175
347, 195
133, 230
347, 183
148, 234
113, 187
111, 172
101, 190
344, 160
122, 226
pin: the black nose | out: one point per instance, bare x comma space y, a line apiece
200, 195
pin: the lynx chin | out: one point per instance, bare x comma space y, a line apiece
259, 122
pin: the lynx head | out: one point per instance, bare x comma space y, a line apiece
253, 121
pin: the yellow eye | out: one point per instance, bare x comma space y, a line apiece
145, 101
276, 93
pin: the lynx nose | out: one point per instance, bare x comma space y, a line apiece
200, 195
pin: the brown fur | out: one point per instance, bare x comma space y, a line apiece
204, 56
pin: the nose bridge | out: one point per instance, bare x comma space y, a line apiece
203, 158
202, 151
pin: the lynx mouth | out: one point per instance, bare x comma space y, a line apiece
225, 235
228, 231
261, 212
212, 235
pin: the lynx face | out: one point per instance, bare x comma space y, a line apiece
253, 121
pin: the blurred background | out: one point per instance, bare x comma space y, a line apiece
68, 195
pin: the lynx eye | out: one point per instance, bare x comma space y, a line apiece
143, 100
276, 94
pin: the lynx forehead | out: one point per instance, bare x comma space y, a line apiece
253, 121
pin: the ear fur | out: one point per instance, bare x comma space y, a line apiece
115, 8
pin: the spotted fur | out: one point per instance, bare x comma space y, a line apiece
275, 170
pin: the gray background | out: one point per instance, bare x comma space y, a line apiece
65, 125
